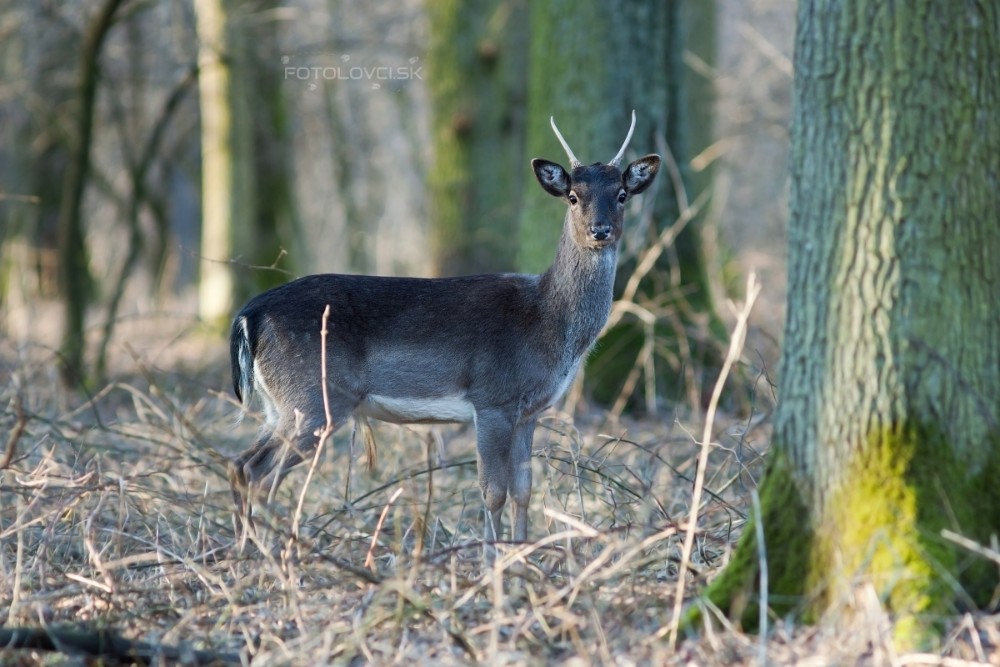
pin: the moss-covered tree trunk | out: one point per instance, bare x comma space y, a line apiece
476, 76
226, 164
888, 429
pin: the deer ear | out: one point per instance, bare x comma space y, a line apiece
640, 174
552, 177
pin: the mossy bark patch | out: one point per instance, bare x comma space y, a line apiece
881, 529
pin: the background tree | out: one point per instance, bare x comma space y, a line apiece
33, 158
16, 206
697, 89
275, 215
372, 132
887, 428
226, 152
477, 63
591, 92
74, 272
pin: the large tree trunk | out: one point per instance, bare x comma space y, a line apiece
477, 78
887, 431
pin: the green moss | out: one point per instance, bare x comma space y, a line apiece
788, 541
879, 527
883, 528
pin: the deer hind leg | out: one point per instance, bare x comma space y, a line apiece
256, 473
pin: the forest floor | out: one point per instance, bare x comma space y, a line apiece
117, 529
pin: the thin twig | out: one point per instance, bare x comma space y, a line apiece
22, 199
15, 434
735, 347
15, 591
649, 257
328, 428
370, 558
425, 520
971, 545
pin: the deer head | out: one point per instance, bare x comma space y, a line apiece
596, 194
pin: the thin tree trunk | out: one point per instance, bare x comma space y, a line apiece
74, 273
137, 199
227, 190
888, 430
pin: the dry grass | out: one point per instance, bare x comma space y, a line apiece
117, 514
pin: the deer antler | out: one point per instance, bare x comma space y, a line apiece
573, 162
621, 153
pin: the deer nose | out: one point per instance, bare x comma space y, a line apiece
601, 231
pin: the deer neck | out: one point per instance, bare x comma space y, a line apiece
577, 293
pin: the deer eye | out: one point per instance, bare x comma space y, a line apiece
572, 198
622, 196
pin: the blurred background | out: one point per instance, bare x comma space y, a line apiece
162, 160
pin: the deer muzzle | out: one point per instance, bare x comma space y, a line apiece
600, 231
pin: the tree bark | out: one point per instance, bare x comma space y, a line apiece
887, 429
477, 77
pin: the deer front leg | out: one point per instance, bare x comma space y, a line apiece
494, 436
520, 478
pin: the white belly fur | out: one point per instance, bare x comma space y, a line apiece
408, 410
